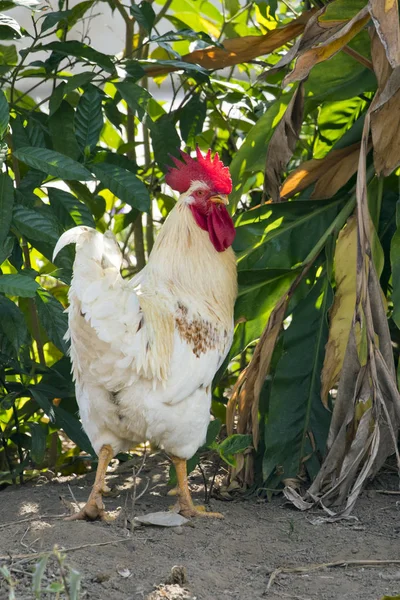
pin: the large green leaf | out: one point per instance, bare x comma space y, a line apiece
53, 163
259, 291
297, 422
124, 184
6, 205
15, 284
53, 318
36, 224
135, 96
62, 131
89, 119
69, 210
334, 119
280, 236
4, 114
12, 322
165, 141
191, 119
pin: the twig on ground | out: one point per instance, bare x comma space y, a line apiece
73, 497
329, 565
11, 557
388, 492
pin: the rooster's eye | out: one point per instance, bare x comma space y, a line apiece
200, 193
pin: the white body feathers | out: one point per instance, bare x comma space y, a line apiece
144, 352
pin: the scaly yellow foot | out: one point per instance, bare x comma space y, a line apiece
94, 507
186, 507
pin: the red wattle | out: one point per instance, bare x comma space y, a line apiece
218, 223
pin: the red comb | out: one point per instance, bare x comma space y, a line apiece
211, 171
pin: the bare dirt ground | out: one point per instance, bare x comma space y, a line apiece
230, 559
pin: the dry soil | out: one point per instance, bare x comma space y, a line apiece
218, 560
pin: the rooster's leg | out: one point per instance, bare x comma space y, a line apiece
94, 507
186, 506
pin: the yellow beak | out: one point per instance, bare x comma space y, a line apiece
220, 199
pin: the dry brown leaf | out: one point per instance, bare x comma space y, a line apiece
283, 143
385, 111
385, 15
241, 49
331, 173
342, 311
313, 34
328, 48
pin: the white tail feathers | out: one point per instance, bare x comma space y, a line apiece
71, 237
92, 244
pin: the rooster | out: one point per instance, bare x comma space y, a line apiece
144, 352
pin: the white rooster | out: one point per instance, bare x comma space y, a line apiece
144, 352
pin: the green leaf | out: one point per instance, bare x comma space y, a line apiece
78, 81
54, 18
81, 51
334, 119
191, 119
134, 69
62, 131
297, 423
250, 158
124, 184
4, 114
69, 210
36, 224
9, 28
38, 444
53, 163
144, 14
259, 291
345, 77
53, 318
6, 205
135, 96
213, 430
15, 284
280, 236
234, 444
89, 119
342, 10
62, 418
165, 141
12, 322
8, 58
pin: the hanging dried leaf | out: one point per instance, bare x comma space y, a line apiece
342, 311
328, 48
283, 143
385, 15
240, 49
330, 172
314, 33
364, 424
245, 397
385, 124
